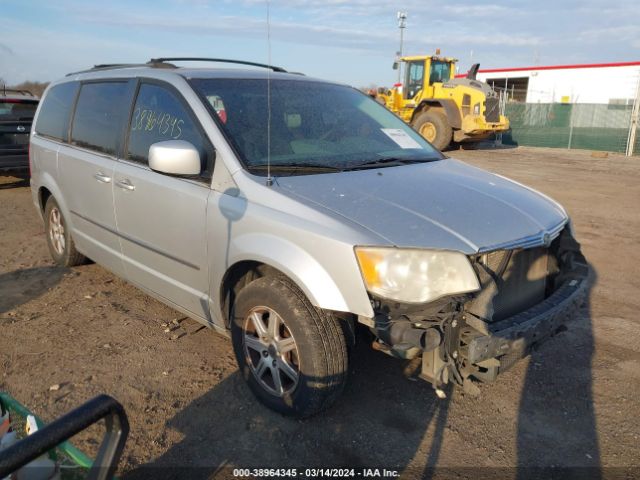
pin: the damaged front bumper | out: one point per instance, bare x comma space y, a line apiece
527, 295
513, 338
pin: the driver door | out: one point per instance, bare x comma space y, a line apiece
161, 218
415, 79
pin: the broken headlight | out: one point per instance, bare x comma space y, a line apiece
415, 275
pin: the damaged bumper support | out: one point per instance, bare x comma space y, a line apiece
513, 339
527, 294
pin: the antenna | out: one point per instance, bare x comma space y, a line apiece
269, 178
402, 24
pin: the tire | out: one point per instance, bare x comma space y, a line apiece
61, 245
312, 367
434, 127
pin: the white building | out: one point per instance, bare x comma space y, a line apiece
604, 83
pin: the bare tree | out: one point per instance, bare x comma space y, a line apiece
37, 88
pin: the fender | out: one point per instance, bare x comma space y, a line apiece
307, 272
449, 106
46, 180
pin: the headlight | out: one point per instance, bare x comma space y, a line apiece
476, 109
414, 275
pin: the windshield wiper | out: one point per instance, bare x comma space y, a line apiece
297, 167
388, 162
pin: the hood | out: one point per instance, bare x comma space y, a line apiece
445, 204
471, 83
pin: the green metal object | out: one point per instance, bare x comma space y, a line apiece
575, 126
16, 408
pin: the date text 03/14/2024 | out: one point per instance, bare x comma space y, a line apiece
315, 472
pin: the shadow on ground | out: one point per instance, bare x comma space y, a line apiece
383, 419
483, 145
370, 416
21, 286
13, 182
557, 432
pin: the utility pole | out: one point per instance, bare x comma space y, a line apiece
402, 24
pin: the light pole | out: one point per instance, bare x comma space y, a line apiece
402, 24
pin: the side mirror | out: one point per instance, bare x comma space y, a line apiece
395, 65
176, 157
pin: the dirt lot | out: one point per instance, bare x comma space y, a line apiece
573, 404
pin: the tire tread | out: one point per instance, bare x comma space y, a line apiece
71, 256
327, 335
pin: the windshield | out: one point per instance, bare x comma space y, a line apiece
440, 71
313, 124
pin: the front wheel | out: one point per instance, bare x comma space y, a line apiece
434, 127
292, 355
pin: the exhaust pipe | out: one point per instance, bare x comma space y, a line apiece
473, 71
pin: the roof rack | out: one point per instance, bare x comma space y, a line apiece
217, 60
115, 66
6, 90
164, 63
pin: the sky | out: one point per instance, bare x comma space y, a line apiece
350, 41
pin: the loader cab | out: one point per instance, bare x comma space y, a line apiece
439, 70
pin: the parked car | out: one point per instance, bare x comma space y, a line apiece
282, 210
17, 108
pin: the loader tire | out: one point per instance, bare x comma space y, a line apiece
434, 127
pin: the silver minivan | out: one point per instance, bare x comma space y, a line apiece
284, 211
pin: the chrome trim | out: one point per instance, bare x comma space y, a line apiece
541, 239
125, 185
101, 177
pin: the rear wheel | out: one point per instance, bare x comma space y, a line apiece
292, 355
434, 127
61, 246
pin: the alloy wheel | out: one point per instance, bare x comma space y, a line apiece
271, 351
56, 231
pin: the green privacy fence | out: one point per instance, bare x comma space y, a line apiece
581, 126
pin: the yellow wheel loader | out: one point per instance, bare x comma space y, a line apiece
441, 107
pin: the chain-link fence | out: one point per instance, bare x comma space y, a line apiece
566, 122
582, 126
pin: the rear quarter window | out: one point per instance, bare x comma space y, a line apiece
100, 115
53, 119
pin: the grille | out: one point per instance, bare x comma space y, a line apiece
492, 110
521, 277
493, 260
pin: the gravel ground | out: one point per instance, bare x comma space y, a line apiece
573, 404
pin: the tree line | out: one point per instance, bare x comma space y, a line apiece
36, 88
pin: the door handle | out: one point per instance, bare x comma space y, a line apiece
125, 184
101, 177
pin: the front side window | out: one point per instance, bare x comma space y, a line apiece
440, 71
158, 115
53, 119
100, 114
